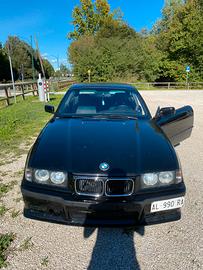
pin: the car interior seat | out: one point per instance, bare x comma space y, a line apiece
86, 104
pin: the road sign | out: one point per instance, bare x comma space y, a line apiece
188, 69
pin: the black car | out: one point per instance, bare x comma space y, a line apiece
103, 160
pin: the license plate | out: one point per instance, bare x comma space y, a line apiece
167, 204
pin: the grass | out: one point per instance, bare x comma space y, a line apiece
5, 242
15, 213
5, 188
20, 122
26, 244
64, 89
19, 173
3, 210
45, 261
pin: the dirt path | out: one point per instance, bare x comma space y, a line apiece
176, 245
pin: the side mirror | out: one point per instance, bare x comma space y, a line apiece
166, 111
49, 108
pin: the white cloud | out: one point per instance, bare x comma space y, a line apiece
44, 55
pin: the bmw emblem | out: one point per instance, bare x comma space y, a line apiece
104, 166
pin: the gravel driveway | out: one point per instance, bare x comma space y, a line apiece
176, 245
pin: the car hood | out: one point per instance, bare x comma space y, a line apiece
130, 147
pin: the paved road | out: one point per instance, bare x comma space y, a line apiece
176, 245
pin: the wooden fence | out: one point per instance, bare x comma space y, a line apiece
64, 84
26, 88
168, 85
57, 85
60, 85
22, 89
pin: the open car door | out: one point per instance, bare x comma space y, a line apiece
177, 125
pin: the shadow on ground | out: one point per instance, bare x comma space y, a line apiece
114, 249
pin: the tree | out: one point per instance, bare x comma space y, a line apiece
112, 50
179, 36
48, 68
89, 17
4, 65
64, 70
114, 53
152, 57
21, 54
21, 57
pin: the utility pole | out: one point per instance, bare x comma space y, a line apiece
33, 69
11, 69
187, 76
22, 72
58, 62
89, 75
40, 58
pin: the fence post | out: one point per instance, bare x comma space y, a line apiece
7, 96
36, 89
23, 93
169, 85
32, 89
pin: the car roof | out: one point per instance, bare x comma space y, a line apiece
102, 86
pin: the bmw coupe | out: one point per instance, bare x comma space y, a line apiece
103, 159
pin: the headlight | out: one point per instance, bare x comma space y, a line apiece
58, 178
150, 179
161, 178
42, 175
166, 177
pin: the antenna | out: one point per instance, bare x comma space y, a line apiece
40, 58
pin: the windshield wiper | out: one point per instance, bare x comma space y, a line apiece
114, 116
73, 116
101, 116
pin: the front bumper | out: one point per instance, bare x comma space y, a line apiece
54, 207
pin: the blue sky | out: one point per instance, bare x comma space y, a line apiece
50, 21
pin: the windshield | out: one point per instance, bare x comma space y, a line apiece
97, 102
